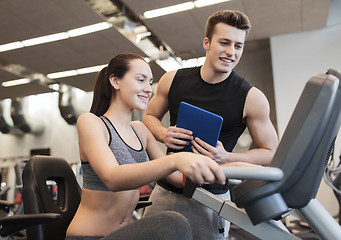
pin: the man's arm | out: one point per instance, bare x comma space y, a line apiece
172, 137
263, 133
264, 136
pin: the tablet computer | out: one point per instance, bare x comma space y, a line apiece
204, 124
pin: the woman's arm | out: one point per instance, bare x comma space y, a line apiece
94, 148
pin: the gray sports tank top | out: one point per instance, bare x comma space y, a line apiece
124, 154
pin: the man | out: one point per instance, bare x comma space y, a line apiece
217, 88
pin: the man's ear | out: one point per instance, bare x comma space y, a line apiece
206, 43
114, 82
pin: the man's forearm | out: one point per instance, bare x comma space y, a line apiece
259, 156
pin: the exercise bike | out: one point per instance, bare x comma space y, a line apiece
268, 194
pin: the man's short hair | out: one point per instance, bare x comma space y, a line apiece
233, 18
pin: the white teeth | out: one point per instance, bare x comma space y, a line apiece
226, 60
143, 98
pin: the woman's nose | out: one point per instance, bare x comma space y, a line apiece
147, 87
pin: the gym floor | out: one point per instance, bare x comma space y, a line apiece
302, 232
237, 233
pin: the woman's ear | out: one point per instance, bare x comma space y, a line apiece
114, 82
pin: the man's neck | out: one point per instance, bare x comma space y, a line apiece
211, 76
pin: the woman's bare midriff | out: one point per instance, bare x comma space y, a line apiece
102, 212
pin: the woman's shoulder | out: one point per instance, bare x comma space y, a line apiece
139, 126
86, 116
90, 126
141, 129
144, 133
88, 119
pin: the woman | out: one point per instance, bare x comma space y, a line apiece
115, 153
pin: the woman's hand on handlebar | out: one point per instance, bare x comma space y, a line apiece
199, 168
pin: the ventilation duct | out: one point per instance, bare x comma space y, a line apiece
65, 102
4, 126
7, 127
22, 122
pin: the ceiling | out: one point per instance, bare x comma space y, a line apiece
182, 32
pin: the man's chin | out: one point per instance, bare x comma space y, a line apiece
224, 71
